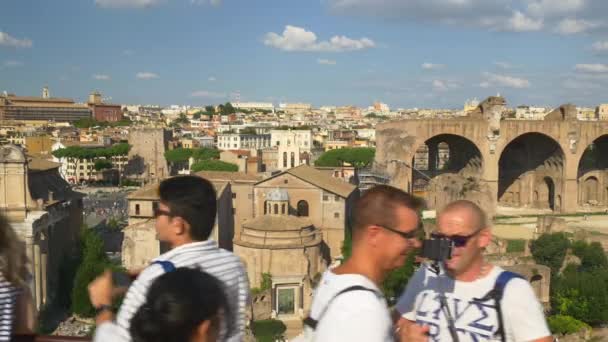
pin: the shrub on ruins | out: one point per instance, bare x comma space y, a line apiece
550, 250
563, 325
582, 295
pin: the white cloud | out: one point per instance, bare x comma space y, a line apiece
504, 81
519, 22
440, 85
212, 79
127, 3
431, 66
592, 68
503, 65
207, 94
543, 8
326, 61
146, 75
573, 26
12, 64
8, 40
206, 2
296, 38
101, 77
600, 46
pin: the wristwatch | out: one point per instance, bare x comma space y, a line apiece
102, 308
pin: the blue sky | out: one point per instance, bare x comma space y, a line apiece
407, 53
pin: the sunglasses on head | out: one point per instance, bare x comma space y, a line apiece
160, 212
406, 235
457, 240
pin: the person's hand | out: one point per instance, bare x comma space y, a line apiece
101, 290
414, 333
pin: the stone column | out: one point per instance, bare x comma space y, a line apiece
43, 272
29, 250
37, 275
570, 204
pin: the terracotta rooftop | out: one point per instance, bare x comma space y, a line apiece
40, 164
321, 179
150, 191
228, 176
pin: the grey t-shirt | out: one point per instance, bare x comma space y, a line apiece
474, 320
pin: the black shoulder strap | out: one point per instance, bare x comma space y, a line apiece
312, 323
497, 293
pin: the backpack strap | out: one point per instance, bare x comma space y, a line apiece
165, 264
497, 293
312, 323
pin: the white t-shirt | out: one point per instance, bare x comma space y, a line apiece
474, 320
352, 316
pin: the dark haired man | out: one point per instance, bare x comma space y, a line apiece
348, 304
456, 303
184, 220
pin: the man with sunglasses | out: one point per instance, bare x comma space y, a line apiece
348, 304
184, 218
450, 305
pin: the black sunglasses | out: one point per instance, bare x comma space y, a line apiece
412, 234
160, 212
458, 240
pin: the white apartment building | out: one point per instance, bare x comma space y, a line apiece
299, 138
253, 105
236, 141
602, 111
531, 113
75, 170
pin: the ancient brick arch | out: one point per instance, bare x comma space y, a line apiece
397, 142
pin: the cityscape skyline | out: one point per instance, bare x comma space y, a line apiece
407, 54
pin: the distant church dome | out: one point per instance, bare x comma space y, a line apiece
277, 195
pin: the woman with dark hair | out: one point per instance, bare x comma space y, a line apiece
183, 305
17, 312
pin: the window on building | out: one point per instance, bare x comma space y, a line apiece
337, 198
302, 208
154, 206
276, 208
293, 159
286, 181
234, 195
284, 159
266, 208
137, 209
336, 215
325, 198
283, 209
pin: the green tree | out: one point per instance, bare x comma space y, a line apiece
356, 156
550, 250
177, 155
205, 153
249, 130
94, 262
214, 165
592, 255
210, 109
102, 164
582, 295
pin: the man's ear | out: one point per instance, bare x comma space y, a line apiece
202, 331
485, 238
372, 234
178, 225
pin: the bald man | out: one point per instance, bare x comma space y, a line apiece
457, 292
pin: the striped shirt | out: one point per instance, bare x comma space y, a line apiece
204, 255
8, 300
